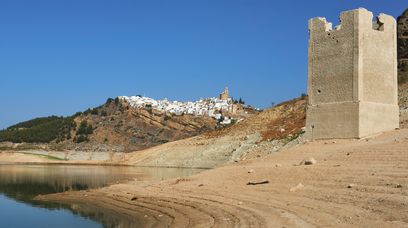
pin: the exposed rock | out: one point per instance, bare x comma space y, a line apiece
282, 130
309, 161
297, 187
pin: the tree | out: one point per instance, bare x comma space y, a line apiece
89, 130
82, 138
94, 111
241, 101
39, 130
109, 100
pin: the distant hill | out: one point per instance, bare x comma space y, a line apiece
114, 126
39, 130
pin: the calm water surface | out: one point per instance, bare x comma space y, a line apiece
19, 184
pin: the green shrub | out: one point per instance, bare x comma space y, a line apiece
109, 101
82, 138
94, 111
84, 128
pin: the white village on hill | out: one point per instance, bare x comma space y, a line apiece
219, 108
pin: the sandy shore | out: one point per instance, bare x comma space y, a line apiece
355, 183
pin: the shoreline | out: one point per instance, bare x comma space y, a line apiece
92, 163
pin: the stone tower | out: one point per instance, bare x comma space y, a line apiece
352, 76
224, 95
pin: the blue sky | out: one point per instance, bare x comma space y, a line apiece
60, 57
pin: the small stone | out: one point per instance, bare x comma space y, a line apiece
200, 185
398, 186
160, 215
240, 203
251, 171
348, 154
309, 161
282, 130
351, 185
297, 187
134, 198
278, 165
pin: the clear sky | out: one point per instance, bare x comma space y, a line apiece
60, 57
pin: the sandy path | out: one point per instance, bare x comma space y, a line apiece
376, 171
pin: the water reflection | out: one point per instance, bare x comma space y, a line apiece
23, 182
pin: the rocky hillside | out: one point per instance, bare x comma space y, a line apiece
403, 66
403, 47
115, 126
128, 129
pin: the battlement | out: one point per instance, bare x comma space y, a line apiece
352, 19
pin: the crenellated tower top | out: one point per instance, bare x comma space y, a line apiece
352, 19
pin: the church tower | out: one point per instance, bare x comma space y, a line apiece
224, 95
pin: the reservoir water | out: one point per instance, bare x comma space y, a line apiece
19, 184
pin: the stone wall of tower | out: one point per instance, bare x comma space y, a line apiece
352, 76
